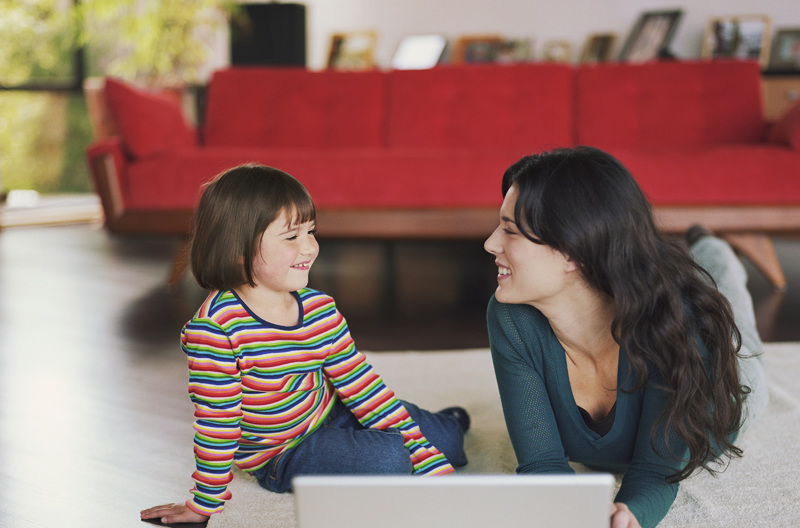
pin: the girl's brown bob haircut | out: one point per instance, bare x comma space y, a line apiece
235, 209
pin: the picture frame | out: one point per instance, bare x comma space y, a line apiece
745, 37
352, 51
514, 51
785, 53
651, 36
557, 51
598, 48
476, 49
419, 52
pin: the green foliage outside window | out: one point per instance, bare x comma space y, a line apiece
43, 134
153, 41
36, 42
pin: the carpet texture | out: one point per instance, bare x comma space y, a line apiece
759, 489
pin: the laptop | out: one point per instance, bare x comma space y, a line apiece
463, 501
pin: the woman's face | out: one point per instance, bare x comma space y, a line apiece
527, 273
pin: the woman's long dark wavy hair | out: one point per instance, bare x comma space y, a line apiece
585, 204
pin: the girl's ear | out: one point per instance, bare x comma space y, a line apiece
570, 265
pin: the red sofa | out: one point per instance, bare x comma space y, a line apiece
420, 154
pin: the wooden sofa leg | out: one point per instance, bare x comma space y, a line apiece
180, 261
758, 248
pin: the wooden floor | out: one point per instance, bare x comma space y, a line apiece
95, 423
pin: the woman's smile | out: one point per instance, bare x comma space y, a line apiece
503, 272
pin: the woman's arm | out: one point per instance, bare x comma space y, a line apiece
523, 392
622, 517
373, 404
644, 488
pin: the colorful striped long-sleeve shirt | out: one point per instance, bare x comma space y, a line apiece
260, 389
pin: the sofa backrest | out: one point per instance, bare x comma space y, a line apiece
668, 104
526, 106
294, 107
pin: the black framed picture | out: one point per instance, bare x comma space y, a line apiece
786, 51
650, 37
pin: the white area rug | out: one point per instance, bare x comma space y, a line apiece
761, 489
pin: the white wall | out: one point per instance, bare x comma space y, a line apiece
539, 20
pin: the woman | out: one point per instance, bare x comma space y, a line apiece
613, 346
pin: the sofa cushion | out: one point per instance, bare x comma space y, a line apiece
149, 122
293, 107
787, 128
731, 174
337, 178
482, 106
669, 104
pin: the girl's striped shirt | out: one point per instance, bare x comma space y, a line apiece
259, 389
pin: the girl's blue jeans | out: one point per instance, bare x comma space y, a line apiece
343, 446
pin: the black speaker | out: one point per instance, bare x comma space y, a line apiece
273, 34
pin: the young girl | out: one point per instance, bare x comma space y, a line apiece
277, 383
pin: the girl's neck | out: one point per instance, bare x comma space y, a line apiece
279, 308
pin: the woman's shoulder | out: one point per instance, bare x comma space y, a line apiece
518, 329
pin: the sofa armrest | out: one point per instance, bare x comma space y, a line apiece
108, 166
787, 129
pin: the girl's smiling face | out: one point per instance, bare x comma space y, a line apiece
528, 273
286, 253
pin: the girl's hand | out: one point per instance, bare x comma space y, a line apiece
173, 513
621, 517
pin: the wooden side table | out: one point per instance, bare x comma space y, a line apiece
780, 92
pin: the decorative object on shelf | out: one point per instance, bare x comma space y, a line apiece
785, 54
476, 49
557, 51
650, 37
419, 52
353, 50
268, 34
598, 48
513, 51
738, 37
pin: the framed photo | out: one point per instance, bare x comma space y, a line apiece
598, 48
476, 49
419, 52
513, 51
738, 37
651, 36
557, 51
353, 51
786, 51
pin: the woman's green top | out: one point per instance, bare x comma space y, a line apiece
546, 426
